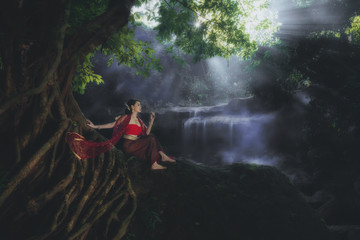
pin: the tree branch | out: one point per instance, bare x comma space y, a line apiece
87, 194
98, 30
25, 171
50, 72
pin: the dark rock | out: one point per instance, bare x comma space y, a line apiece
238, 201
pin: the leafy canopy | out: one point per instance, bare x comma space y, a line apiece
207, 28
202, 28
121, 48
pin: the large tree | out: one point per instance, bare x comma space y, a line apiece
45, 190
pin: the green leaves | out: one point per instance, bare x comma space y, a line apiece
133, 53
202, 28
84, 75
295, 80
325, 34
82, 11
353, 31
216, 28
303, 3
121, 48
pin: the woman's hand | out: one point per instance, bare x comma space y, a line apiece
152, 117
90, 124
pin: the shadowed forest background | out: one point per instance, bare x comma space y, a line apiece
258, 101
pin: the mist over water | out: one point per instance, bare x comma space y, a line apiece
241, 137
221, 137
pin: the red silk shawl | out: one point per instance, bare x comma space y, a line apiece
88, 149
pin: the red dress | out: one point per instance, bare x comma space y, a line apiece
145, 147
133, 129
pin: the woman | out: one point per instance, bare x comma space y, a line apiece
135, 138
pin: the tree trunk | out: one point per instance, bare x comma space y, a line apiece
44, 189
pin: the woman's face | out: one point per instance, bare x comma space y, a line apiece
136, 107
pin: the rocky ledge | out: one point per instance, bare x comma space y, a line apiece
238, 201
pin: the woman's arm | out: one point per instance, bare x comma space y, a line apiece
102, 126
152, 117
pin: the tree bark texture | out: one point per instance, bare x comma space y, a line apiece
46, 191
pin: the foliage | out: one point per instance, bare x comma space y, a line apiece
123, 48
295, 80
253, 63
253, 167
176, 54
325, 3
201, 28
332, 123
212, 28
133, 53
196, 89
151, 219
83, 11
130, 236
354, 29
271, 76
84, 75
326, 33
303, 3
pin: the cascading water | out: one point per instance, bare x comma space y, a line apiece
227, 138
239, 131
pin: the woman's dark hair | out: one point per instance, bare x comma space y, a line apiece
128, 105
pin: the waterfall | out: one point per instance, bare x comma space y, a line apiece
239, 131
227, 136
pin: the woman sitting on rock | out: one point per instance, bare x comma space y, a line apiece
135, 138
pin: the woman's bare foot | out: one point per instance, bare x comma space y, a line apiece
166, 158
157, 166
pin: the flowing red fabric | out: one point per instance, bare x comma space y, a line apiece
88, 149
